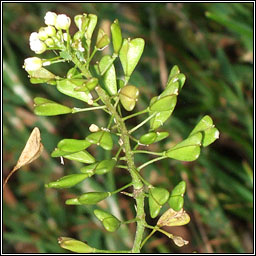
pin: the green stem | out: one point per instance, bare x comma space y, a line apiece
92, 55
129, 221
150, 162
137, 184
109, 251
122, 188
148, 152
135, 114
146, 239
76, 110
142, 123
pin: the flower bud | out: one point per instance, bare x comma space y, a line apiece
94, 128
75, 245
50, 18
42, 34
49, 42
50, 30
62, 22
38, 46
32, 64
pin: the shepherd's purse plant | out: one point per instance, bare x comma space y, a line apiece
97, 84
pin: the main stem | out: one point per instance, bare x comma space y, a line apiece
137, 183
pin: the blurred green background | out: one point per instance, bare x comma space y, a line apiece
212, 43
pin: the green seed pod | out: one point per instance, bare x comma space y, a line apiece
179, 189
72, 145
161, 136
130, 54
206, 126
67, 87
75, 245
45, 107
164, 104
101, 215
159, 119
67, 181
58, 153
89, 169
88, 85
174, 71
116, 36
102, 39
128, 96
187, 150
109, 78
42, 73
111, 224
148, 138
81, 21
105, 166
72, 201
81, 156
157, 198
93, 197
91, 26
176, 202
101, 138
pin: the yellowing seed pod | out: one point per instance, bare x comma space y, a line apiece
128, 96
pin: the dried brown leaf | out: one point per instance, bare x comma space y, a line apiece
173, 218
31, 152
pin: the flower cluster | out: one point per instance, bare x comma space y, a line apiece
47, 36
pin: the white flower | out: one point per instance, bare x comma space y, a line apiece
63, 21
50, 18
37, 46
33, 36
32, 64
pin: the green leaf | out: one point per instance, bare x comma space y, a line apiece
67, 181
101, 138
116, 36
165, 103
205, 123
109, 78
58, 153
81, 156
40, 100
101, 215
73, 145
130, 54
66, 87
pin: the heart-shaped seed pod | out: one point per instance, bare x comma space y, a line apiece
128, 96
